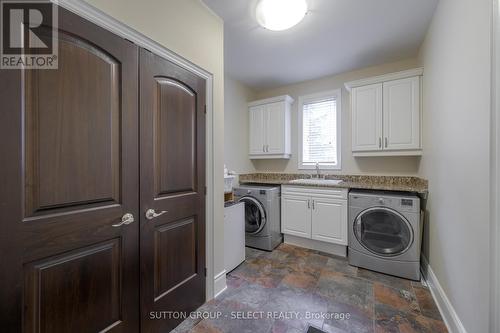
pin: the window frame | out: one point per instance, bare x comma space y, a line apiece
337, 94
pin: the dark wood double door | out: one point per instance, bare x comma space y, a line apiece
86, 150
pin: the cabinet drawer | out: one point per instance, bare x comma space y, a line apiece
320, 192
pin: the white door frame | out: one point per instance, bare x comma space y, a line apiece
96, 16
495, 169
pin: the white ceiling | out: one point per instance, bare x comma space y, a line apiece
336, 36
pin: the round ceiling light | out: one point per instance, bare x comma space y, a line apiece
278, 15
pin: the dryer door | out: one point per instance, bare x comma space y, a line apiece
255, 215
383, 231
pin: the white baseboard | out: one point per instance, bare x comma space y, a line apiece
447, 311
220, 283
335, 249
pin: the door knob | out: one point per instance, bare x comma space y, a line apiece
151, 213
126, 219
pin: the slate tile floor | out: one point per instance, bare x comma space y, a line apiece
296, 281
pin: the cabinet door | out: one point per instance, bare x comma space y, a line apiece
275, 128
329, 220
296, 216
367, 118
402, 114
257, 132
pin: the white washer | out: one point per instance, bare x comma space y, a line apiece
385, 232
262, 215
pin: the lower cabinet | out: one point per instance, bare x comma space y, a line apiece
296, 215
315, 213
329, 220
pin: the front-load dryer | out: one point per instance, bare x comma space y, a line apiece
385, 232
262, 215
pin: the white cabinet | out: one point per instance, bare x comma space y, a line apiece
367, 118
329, 220
256, 117
270, 128
386, 114
234, 232
402, 114
315, 213
296, 215
275, 128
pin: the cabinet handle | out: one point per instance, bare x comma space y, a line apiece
385, 142
264, 148
380, 142
308, 204
267, 148
313, 205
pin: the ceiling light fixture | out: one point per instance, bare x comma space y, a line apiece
278, 15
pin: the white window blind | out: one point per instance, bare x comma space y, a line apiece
319, 136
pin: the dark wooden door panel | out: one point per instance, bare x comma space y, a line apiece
69, 173
172, 171
175, 137
175, 256
77, 289
72, 129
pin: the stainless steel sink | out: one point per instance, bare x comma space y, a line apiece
316, 181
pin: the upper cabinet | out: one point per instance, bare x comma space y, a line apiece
269, 131
386, 114
367, 118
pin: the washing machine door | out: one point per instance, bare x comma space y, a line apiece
255, 215
383, 231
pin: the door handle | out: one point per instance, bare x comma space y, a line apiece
126, 219
151, 213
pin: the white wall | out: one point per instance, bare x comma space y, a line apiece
190, 29
350, 165
236, 98
456, 58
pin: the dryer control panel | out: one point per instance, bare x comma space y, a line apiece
396, 201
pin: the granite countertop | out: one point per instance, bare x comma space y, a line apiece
387, 183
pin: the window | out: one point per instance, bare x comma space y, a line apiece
319, 130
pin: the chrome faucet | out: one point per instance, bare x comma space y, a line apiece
318, 171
